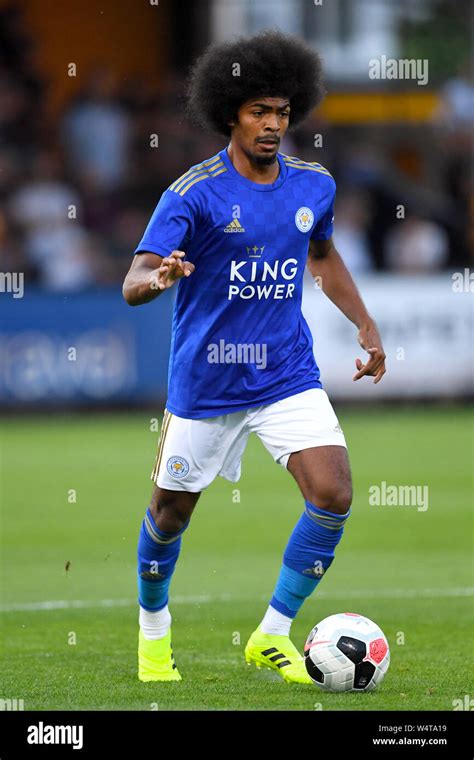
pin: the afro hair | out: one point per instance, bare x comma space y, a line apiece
269, 64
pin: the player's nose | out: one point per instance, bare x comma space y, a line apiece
272, 123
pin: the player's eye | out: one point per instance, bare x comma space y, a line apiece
257, 113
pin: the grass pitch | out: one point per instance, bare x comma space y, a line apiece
74, 493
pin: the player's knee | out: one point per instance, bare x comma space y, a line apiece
172, 521
172, 509
336, 499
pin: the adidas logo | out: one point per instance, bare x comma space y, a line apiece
234, 226
276, 655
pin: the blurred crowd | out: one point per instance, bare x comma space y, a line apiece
76, 192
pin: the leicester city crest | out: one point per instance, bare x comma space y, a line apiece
177, 467
304, 219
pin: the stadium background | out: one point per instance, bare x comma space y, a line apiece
91, 133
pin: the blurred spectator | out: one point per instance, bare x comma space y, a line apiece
128, 228
10, 170
352, 214
96, 130
12, 254
14, 110
454, 121
46, 210
457, 101
416, 245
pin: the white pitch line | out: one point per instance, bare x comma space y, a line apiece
64, 604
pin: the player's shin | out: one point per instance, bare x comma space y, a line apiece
308, 555
158, 552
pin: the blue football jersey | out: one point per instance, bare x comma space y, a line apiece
239, 339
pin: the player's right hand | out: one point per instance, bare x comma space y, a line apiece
172, 268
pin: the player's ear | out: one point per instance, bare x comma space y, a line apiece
234, 121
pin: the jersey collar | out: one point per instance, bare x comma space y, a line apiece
260, 187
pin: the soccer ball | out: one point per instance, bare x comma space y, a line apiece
346, 652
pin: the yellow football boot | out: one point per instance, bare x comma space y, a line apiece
156, 660
268, 650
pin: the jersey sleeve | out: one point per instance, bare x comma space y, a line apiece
324, 227
170, 227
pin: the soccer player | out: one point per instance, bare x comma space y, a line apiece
235, 232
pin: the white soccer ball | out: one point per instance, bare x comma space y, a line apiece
346, 652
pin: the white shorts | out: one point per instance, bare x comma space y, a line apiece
191, 453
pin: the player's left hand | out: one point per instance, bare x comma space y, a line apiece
369, 339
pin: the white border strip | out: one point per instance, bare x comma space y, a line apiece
64, 604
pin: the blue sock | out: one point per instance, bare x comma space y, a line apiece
309, 553
158, 552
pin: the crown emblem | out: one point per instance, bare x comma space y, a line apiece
255, 252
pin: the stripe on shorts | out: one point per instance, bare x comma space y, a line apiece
164, 429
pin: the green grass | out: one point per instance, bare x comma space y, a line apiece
408, 570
